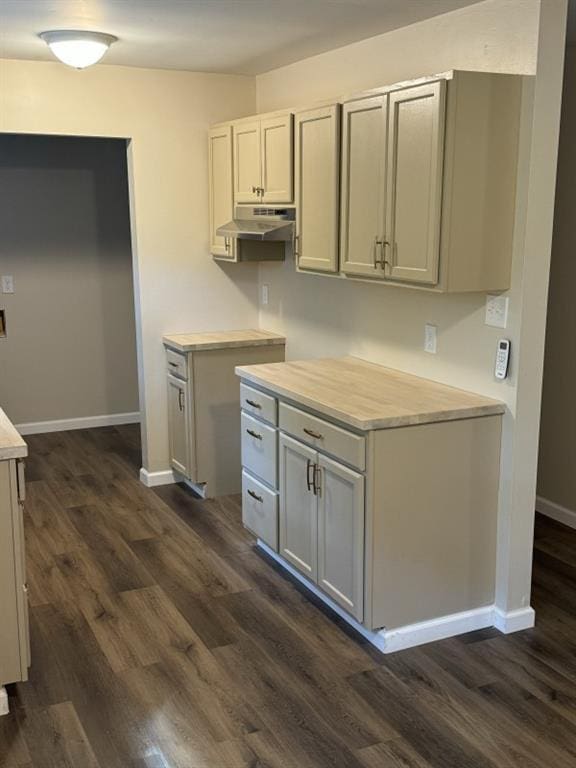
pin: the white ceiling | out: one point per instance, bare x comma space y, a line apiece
240, 36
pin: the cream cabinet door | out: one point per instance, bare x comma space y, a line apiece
220, 189
178, 430
341, 535
247, 162
414, 188
363, 230
317, 188
277, 141
298, 507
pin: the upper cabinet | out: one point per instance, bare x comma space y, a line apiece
411, 244
317, 193
412, 184
220, 189
263, 160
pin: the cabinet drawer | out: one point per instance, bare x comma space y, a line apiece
348, 447
259, 449
176, 364
260, 510
259, 404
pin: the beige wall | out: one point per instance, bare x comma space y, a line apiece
166, 115
386, 324
557, 466
65, 238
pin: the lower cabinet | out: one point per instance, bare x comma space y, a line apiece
322, 522
178, 425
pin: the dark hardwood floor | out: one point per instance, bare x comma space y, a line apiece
161, 639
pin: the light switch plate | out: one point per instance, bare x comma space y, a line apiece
430, 338
7, 284
497, 311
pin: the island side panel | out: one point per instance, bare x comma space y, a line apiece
217, 413
432, 520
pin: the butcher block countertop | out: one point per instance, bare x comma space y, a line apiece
191, 342
11, 444
365, 395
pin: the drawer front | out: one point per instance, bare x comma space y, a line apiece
346, 446
259, 449
176, 364
260, 510
259, 404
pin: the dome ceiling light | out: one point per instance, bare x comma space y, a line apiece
77, 48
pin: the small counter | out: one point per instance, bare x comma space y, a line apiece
192, 342
11, 444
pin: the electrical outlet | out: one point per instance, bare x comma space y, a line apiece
265, 291
7, 284
430, 338
497, 311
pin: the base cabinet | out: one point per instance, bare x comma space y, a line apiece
14, 632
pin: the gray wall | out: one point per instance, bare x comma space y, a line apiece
65, 237
557, 466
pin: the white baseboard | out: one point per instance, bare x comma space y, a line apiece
85, 422
4, 707
390, 641
556, 511
152, 479
514, 621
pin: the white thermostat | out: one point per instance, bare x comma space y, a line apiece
502, 359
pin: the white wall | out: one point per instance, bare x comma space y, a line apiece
166, 115
327, 316
65, 238
556, 474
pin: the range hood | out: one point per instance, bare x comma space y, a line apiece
261, 223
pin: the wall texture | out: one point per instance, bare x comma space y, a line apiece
557, 475
165, 115
321, 315
65, 224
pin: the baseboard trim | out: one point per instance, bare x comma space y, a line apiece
393, 640
514, 621
153, 479
84, 422
556, 511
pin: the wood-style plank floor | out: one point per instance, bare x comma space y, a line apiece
161, 639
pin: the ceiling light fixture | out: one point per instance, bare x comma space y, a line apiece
78, 48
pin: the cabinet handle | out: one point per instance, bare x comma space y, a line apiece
253, 403
255, 496
20, 480
309, 466
254, 434
180, 400
254, 190
317, 483
174, 365
226, 244
311, 433
380, 244
296, 246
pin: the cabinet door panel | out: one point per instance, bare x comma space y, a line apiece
363, 228
298, 508
317, 182
341, 535
178, 425
414, 189
220, 188
276, 135
247, 172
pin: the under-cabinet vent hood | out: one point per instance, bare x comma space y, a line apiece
262, 223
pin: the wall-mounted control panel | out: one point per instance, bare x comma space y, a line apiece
502, 359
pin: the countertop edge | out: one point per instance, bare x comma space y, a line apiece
208, 345
368, 425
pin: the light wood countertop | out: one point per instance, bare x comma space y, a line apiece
11, 444
190, 342
365, 395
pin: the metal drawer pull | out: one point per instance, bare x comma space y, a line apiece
254, 434
255, 496
311, 433
180, 401
309, 466
174, 365
253, 403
